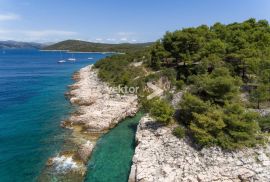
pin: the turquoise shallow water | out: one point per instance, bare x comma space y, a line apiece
112, 157
32, 104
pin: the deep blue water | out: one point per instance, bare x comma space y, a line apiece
32, 104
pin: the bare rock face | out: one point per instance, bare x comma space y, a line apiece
100, 106
161, 157
85, 151
177, 98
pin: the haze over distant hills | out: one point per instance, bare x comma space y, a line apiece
25, 45
76, 45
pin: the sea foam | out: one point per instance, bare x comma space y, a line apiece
64, 163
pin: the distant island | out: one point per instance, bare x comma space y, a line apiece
10, 44
84, 46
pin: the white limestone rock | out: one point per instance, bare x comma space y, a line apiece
100, 107
161, 157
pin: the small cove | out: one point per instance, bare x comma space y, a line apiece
112, 156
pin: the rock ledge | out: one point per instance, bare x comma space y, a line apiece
161, 157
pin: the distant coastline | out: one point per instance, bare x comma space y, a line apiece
79, 52
93, 47
76, 46
44, 50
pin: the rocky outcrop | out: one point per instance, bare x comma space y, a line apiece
85, 151
161, 157
176, 99
101, 107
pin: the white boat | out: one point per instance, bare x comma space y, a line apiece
72, 58
90, 58
61, 58
61, 61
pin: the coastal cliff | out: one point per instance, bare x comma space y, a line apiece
160, 156
99, 108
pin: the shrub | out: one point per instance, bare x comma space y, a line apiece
230, 127
208, 126
179, 132
162, 111
168, 96
179, 84
170, 73
260, 94
146, 104
189, 105
152, 77
264, 123
218, 86
241, 126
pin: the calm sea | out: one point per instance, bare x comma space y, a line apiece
32, 104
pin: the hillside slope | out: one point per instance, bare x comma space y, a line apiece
83, 46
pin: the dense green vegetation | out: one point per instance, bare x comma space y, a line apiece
229, 126
243, 48
83, 46
214, 67
161, 111
216, 62
264, 123
118, 72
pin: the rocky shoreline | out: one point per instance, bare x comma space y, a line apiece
161, 157
99, 108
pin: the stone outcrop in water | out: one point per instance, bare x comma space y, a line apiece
85, 151
161, 157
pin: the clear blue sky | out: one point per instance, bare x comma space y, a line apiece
117, 20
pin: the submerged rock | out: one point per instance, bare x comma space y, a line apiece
161, 157
66, 124
85, 151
